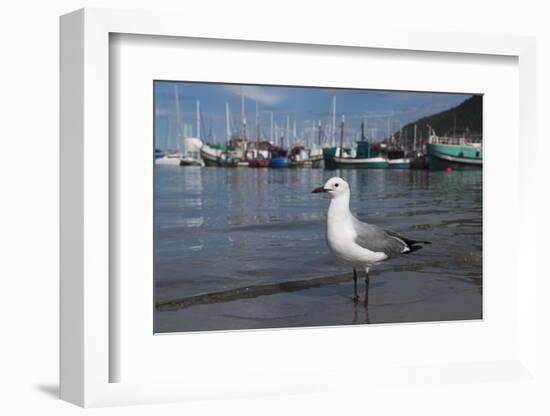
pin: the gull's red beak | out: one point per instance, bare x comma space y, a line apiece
319, 190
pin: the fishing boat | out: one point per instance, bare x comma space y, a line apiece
280, 163
258, 163
213, 155
258, 157
397, 159
333, 152
454, 153
279, 158
225, 154
235, 155
300, 157
341, 159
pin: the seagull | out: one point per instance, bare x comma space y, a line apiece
357, 243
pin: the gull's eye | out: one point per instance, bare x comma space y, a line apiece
336, 185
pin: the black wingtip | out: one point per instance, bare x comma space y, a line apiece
415, 246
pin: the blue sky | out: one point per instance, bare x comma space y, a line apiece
379, 109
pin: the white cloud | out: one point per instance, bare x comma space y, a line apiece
269, 97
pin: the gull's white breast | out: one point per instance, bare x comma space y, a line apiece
341, 241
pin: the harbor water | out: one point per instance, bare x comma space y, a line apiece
233, 232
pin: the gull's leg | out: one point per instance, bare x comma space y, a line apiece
367, 281
355, 293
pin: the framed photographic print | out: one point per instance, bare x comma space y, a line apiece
241, 242
237, 212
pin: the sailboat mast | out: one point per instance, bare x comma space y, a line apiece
294, 130
227, 123
388, 127
243, 122
243, 118
198, 111
271, 127
178, 117
242, 114
177, 98
257, 128
312, 136
319, 132
287, 133
333, 131
168, 133
211, 135
342, 136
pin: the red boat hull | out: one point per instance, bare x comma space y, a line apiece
258, 163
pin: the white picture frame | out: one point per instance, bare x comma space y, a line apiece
86, 355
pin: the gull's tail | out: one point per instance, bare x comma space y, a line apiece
412, 245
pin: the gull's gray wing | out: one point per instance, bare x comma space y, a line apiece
376, 239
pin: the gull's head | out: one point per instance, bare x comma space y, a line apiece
334, 187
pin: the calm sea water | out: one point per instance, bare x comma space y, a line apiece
218, 229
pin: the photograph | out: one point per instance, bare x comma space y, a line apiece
292, 207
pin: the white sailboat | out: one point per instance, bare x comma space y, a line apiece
192, 145
172, 157
169, 156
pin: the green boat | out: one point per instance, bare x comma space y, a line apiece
363, 159
454, 153
338, 158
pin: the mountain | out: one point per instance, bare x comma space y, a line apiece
468, 117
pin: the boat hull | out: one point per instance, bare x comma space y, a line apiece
302, 163
316, 161
209, 162
168, 161
420, 162
280, 163
258, 163
210, 156
443, 157
399, 164
191, 162
352, 163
